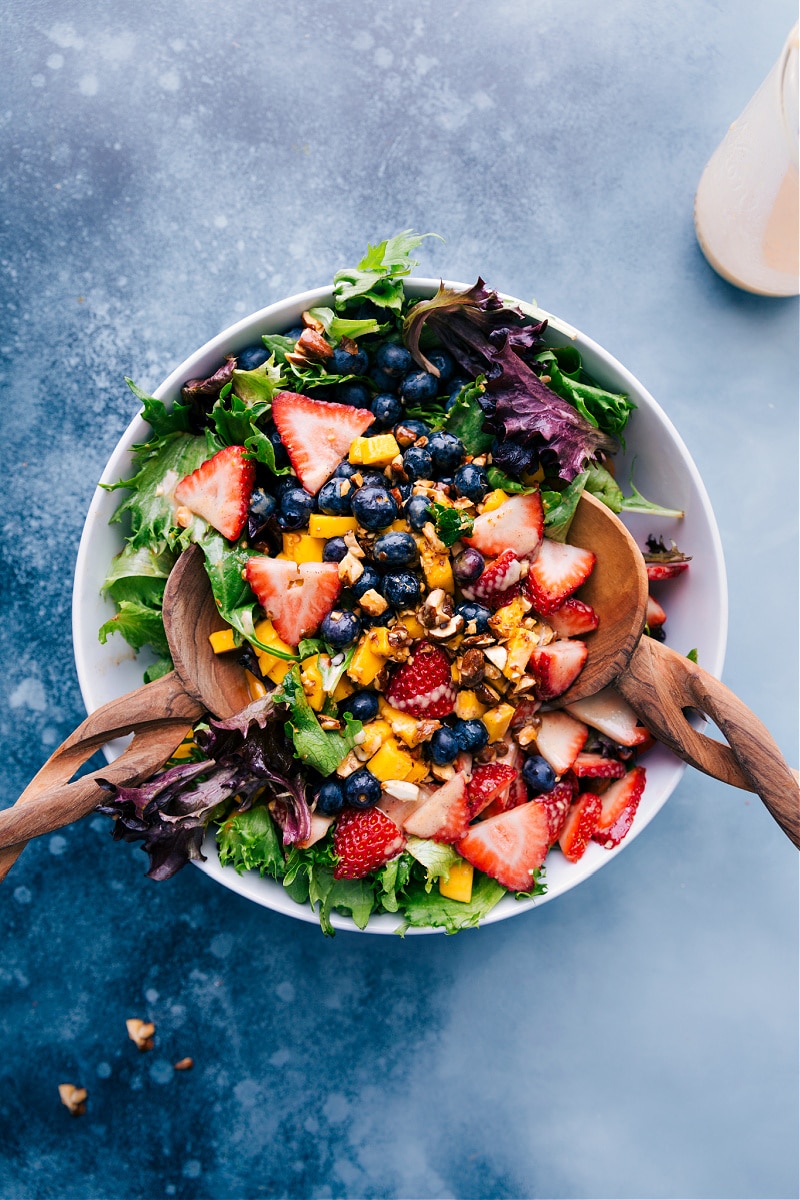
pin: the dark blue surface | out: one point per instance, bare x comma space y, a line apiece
171, 168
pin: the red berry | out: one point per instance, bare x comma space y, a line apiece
516, 525
296, 596
317, 434
219, 490
558, 570
363, 840
424, 685
488, 782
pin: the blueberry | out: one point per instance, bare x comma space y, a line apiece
345, 363
471, 481
394, 360
407, 432
372, 479
513, 458
417, 462
404, 489
279, 450
340, 628
418, 512
295, 332
382, 381
374, 507
368, 581
444, 363
446, 450
334, 550
395, 549
362, 706
386, 409
284, 484
468, 565
401, 589
262, 504
444, 745
345, 470
296, 506
455, 386
361, 789
472, 735
357, 395
334, 497
539, 776
252, 357
330, 798
419, 387
471, 611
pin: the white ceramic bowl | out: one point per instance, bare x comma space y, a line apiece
664, 472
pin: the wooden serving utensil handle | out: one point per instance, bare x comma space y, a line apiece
660, 684
160, 714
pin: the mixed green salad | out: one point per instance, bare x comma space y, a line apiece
383, 496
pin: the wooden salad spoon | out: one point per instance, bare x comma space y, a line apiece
158, 714
659, 684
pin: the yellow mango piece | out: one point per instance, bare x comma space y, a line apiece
458, 885
415, 628
274, 668
436, 567
375, 451
400, 526
222, 640
375, 734
520, 646
391, 761
311, 679
255, 687
379, 640
412, 731
322, 526
508, 619
302, 548
468, 706
343, 689
497, 721
185, 749
493, 500
418, 772
366, 665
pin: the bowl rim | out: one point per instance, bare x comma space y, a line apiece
234, 338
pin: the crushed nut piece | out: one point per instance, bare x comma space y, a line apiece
353, 545
487, 695
348, 765
183, 516
373, 602
329, 724
312, 322
140, 1032
184, 1064
498, 656
432, 538
73, 1098
453, 626
401, 790
527, 735
443, 773
350, 569
471, 668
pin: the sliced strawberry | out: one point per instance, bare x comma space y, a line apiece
618, 808
219, 490
516, 525
489, 781
609, 713
573, 617
556, 804
556, 666
657, 571
524, 713
363, 840
560, 739
296, 596
597, 766
558, 570
579, 826
423, 686
317, 434
498, 578
510, 846
445, 815
655, 615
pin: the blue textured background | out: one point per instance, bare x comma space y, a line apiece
171, 167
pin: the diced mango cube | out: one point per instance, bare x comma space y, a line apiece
320, 525
375, 451
520, 646
468, 706
185, 749
302, 548
418, 772
508, 618
400, 526
366, 665
273, 667
311, 679
375, 734
414, 627
343, 689
497, 721
255, 687
391, 761
378, 637
436, 567
222, 640
458, 885
493, 500
412, 731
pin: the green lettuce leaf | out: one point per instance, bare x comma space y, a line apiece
309, 880
559, 508
499, 479
391, 879
162, 463
140, 625
608, 411
250, 841
379, 275
422, 908
337, 327
450, 523
436, 857
136, 573
313, 745
163, 420
602, 484
465, 419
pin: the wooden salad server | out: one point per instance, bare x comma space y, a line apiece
158, 714
659, 684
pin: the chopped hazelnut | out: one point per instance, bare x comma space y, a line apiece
471, 668
140, 1032
352, 543
184, 1064
350, 569
73, 1098
373, 602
